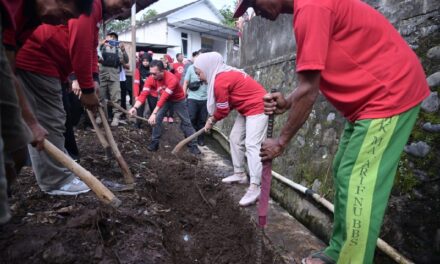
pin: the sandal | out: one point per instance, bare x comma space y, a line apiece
321, 256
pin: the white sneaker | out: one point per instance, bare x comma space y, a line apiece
98, 120
115, 122
251, 196
236, 177
75, 187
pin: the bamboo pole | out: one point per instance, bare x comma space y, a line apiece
128, 177
103, 194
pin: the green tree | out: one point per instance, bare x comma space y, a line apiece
149, 14
117, 25
228, 13
120, 25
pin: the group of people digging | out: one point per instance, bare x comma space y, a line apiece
345, 49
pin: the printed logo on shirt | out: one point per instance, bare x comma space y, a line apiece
224, 105
169, 91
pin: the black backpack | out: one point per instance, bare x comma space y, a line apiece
111, 59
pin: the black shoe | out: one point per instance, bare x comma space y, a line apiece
200, 141
153, 146
195, 150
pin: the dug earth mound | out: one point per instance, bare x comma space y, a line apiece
178, 212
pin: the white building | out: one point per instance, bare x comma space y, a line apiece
183, 30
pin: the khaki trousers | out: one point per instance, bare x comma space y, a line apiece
246, 138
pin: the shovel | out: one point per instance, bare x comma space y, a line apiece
263, 203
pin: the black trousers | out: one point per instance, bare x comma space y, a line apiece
124, 91
198, 113
69, 135
152, 102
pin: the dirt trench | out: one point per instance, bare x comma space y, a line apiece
179, 212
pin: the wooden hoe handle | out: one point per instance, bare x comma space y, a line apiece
97, 187
182, 143
128, 177
115, 105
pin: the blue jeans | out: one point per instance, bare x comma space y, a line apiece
181, 110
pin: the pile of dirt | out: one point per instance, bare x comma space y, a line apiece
178, 213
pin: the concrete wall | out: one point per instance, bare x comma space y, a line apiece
175, 39
220, 45
267, 52
194, 42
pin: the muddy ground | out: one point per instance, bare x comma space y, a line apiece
178, 213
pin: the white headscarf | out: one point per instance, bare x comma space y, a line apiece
211, 64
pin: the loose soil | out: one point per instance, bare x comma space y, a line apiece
178, 213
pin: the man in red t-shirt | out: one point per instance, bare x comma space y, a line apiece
170, 95
41, 69
360, 63
17, 21
179, 66
42, 66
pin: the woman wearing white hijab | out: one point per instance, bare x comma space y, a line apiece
230, 88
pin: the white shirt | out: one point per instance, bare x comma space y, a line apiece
122, 76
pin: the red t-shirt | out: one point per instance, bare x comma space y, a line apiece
235, 90
46, 52
137, 81
168, 89
178, 67
18, 22
367, 68
83, 43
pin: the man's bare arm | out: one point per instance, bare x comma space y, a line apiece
299, 103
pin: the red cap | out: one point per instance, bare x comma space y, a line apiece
242, 6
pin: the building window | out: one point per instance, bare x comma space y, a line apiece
207, 43
184, 44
